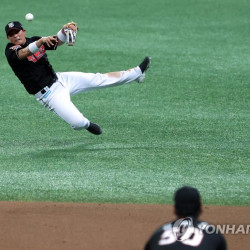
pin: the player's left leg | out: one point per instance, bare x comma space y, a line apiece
78, 82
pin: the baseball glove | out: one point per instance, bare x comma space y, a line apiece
70, 30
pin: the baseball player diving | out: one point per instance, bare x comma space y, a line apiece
28, 59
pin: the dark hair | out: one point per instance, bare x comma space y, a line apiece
187, 202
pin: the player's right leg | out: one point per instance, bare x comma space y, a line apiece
60, 103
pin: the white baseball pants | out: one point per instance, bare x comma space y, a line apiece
57, 97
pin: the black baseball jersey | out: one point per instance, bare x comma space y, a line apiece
35, 71
165, 238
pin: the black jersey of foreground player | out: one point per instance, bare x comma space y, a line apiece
186, 232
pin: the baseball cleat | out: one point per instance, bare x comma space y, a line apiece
144, 67
94, 129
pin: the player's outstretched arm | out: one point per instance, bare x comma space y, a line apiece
35, 46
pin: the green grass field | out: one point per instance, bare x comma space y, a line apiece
187, 124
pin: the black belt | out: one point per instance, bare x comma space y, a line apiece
43, 91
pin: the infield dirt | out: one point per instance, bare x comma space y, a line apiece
73, 226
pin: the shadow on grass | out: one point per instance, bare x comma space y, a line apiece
82, 149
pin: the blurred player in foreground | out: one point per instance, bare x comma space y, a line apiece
28, 59
187, 232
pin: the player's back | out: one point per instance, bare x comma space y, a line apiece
194, 237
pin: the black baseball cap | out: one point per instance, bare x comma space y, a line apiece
187, 201
14, 25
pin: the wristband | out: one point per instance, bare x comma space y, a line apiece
61, 36
33, 48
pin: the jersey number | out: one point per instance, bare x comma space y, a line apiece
193, 239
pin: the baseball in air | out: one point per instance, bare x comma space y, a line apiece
29, 17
